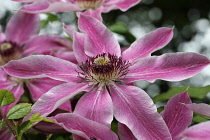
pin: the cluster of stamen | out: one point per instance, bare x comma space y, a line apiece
9, 51
88, 4
103, 69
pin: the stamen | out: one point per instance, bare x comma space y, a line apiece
103, 69
9, 51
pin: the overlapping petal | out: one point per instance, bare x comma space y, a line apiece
126, 4
39, 86
200, 131
84, 127
134, 108
96, 106
99, 39
44, 6
39, 66
200, 108
170, 67
46, 43
147, 44
176, 115
28, 25
96, 13
55, 97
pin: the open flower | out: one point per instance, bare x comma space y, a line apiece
44, 6
21, 39
103, 72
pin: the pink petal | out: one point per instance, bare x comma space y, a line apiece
170, 67
55, 97
99, 39
21, 27
134, 108
39, 66
78, 43
65, 54
125, 133
46, 43
39, 86
43, 6
147, 44
200, 108
176, 115
78, 46
126, 4
96, 13
3, 75
70, 31
84, 127
200, 131
96, 106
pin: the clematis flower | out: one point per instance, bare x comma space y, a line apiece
103, 73
21, 39
45, 6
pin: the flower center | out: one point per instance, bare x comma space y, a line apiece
103, 69
88, 4
9, 51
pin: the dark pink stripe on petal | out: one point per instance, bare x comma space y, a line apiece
134, 108
170, 67
176, 115
84, 127
96, 106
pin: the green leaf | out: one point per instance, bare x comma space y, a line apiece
35, 118
122, 29
25, 126
19, 111
6, 97
194, 92
50, 18
49, 136
1, 124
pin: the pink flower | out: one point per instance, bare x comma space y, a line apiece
44, 6
21, 39
103, 73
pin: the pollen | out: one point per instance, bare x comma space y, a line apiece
9, 51
103, 69
102, 60
88, 4
5, 46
